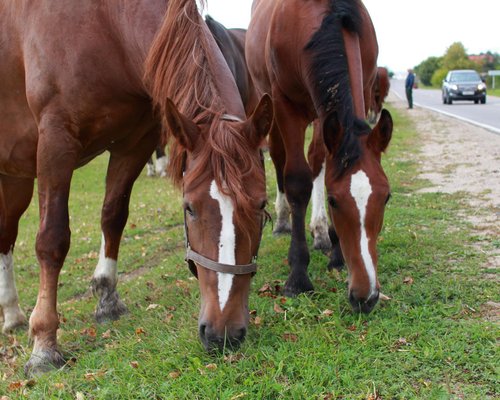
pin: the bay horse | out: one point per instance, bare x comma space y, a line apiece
316, 157
57, 116
319, 61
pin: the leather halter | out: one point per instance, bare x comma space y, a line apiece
193, 257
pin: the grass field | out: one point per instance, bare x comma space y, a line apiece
431, 340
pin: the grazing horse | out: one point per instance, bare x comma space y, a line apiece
319, 61
316, 157
57, 116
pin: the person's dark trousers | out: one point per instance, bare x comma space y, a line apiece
409, 97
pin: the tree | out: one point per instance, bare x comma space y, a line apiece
426, 69
456, 58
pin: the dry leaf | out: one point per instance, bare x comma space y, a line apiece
168, 318
91, 332
107, 334
352, 328
174, 374
231, 358
278, 309
59, 386
140, 331
211, 366
327, 313
134, 364
152, 307
408, 280
15, 385
265, 288
289, 337
79, 396
257, 321
383, 297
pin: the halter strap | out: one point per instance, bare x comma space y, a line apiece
240, 269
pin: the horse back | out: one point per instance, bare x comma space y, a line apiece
73, 65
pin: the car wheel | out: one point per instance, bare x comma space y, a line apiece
450, 101
476, 101
483, 100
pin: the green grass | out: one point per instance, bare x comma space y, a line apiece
430, 341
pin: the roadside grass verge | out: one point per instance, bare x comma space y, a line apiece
429, 341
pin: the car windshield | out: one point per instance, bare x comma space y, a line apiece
469, 76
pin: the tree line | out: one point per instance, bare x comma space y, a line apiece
433, 70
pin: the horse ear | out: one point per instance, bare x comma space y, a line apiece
332, 132
381, 135
261, 120
181, 127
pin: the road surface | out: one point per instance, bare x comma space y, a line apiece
484, 115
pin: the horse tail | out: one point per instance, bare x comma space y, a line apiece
329, 73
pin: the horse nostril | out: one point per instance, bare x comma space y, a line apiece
365, 306
240, 334
202, 330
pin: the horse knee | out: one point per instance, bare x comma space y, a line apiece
298, 188
52, 246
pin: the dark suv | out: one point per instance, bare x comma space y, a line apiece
463, 84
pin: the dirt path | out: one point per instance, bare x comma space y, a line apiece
460, 157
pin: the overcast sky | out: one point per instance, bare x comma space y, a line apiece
408, 31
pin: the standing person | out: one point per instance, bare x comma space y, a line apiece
409, 84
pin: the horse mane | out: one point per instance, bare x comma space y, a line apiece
330, 73
178, 67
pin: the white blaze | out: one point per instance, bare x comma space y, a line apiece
227, 243
106, 267
360, 191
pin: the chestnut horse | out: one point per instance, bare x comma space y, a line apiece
319, 61
57, 116
316, 157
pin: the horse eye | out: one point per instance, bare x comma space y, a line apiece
332, 202
188, 209
388, 198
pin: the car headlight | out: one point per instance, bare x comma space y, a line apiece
453, 87
481, 86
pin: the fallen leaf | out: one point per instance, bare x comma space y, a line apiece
352, 328
79, 396
140, 331
174, 374
134, 364
59, 386
383, 297
257, 321
152, 307
278, 309
15, 385
327, 313
169, 317
211, 366
289, 337
107, 334
408, 280
91, 332
265, 288
231, 358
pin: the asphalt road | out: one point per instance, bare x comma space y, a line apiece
484, 115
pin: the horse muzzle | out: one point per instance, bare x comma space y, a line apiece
363, 305
229, 338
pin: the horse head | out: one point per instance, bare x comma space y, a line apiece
224, 196
358, 191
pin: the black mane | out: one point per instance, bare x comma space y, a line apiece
330, 74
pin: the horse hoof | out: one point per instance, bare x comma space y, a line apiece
43, 361
322, 243
336, 264
19, 320
110, 309
282, 229
295, 287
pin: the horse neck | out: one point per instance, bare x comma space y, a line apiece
135, 24
223, 78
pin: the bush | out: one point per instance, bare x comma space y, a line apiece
438, 76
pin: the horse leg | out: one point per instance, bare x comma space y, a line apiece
298, 185
319, 220
123, 170
161, 161
15, 196
57, 155
336, 256
150, 167
277, 152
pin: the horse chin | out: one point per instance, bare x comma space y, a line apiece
363, 306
